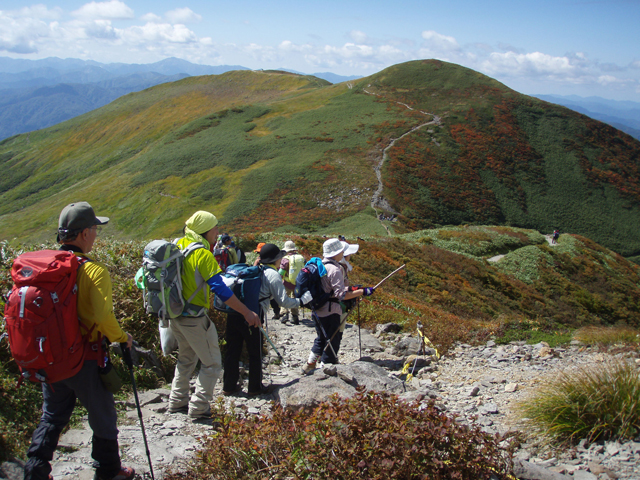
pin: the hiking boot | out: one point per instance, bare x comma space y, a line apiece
125, 473
295, 320
309, 368
230, 393
184, 409
284, 318
263, 391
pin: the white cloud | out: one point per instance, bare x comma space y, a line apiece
528, 64
101, 29
439, 42
183, 15
151, 17
111, 10
359, 37
159, 32
609, 80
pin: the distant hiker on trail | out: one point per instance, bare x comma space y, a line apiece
196, 334
238, 332
77, 230
224, 253
290, 266
327, 316
556, 235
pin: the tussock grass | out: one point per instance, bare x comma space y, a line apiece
596, 402
607, 336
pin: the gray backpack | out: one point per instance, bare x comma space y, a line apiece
161, 279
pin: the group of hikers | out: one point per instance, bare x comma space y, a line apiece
195, 333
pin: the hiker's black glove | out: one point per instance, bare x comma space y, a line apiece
368, 291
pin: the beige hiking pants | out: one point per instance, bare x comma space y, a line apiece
197, 340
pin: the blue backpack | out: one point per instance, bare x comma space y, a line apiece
308, 280
244, 281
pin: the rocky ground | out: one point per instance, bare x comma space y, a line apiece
479, 384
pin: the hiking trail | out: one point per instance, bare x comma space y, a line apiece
378, 202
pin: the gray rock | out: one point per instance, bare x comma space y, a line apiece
12, 470
388, 328
407, 346
584, 475
373, 377
473, 392
528, 471
488, 408
147, 398
330, 370
312, 390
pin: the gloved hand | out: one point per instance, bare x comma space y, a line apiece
353, 288
306, 298
368, 291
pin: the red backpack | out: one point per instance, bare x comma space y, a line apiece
222, 257
41, 315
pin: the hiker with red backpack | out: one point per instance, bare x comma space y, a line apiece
77, 230
271, 289
327, 317
196, 334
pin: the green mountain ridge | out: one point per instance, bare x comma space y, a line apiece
275, 151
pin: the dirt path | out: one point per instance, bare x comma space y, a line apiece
378, 202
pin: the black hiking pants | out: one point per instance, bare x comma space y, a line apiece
59, 400
239, 332
326, 325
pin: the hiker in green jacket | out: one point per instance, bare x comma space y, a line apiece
196, 334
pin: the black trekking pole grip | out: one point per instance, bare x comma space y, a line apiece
126, 355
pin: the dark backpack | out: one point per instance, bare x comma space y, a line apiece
308, 280
41, 316
222, 257
245, 282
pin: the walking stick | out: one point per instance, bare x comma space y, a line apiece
126, 356
324, 332
388, 276
359, 337
344, 320
272, 345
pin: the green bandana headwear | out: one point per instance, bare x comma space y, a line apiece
201, 222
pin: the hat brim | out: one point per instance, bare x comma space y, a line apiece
102, 220
280, 254
351, 249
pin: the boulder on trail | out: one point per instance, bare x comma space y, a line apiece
309, 391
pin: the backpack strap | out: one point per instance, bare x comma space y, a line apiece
191, 309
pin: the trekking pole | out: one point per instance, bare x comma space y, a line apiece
359, 336
126, 356
344, 320
324, 332
273, 346
388, 276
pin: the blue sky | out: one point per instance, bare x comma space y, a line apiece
536, 47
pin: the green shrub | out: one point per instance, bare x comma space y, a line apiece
596, 402
372, 436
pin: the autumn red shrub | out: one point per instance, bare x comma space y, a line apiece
370, 436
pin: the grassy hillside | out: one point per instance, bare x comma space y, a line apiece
274, 151
536, 292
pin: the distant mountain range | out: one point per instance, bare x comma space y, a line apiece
36, 94
624, 116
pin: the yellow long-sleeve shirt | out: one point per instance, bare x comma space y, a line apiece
95, 302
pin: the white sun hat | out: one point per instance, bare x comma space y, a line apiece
350, 249
332, 247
